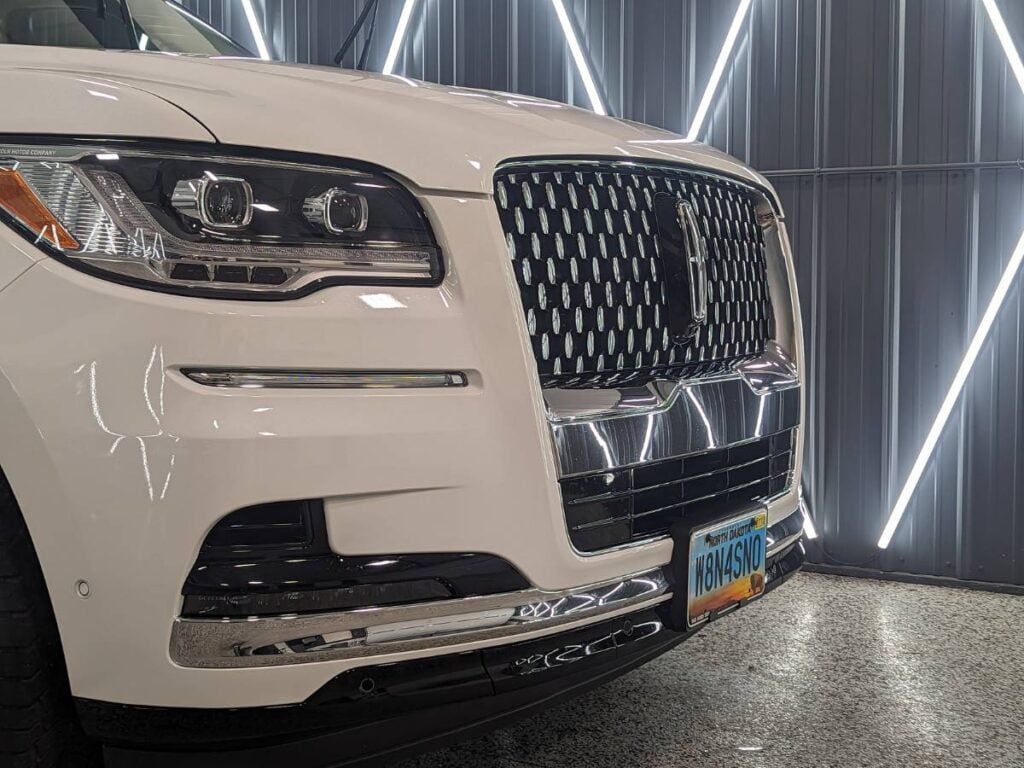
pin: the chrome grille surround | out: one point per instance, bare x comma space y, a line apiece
586, 254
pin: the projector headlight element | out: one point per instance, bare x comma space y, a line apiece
239, 226
338, 211
217, 203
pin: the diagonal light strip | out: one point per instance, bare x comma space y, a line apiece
718, 71
987, 320
1012, 54
569, 31
254, 27
399, 38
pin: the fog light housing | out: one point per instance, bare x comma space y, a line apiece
275, 559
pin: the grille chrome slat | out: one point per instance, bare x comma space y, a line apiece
593, 282
602, 523
605, 496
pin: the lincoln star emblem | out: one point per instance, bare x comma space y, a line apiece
684, 256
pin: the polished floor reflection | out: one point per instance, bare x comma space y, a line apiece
827, 671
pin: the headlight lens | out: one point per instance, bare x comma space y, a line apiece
235, 226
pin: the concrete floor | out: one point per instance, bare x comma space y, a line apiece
827, 671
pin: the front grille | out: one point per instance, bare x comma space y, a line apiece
587, 255
606, 509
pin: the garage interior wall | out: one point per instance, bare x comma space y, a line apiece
894, 132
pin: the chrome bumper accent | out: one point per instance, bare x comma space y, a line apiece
264, 642
785, 532
620, 428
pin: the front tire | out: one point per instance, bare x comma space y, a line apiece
38, 724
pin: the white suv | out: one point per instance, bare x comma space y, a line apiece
342, 412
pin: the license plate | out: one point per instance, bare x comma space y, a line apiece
726, 566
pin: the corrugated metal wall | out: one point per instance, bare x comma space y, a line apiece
894, 131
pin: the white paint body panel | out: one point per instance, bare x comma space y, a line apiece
68, 102
438, 137
122, 466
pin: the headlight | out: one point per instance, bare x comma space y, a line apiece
217, 225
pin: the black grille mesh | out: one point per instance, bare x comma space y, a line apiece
606, 509
584, 243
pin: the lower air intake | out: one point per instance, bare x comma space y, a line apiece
273, 559
607, 509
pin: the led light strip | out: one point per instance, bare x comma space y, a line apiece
254, 27
987, 320
399, 38
718, 71
312, 379
569, 31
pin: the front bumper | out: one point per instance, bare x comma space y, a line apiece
122, 465
394, 710
368, 633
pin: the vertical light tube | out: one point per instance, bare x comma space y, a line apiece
718, 71
399, 38
254, 27
577, 54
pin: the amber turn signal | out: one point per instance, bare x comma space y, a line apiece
18, 199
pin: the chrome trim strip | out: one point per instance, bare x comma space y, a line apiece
677, 164
772, 372
364, 633
268, 378
696, 262
696, 418
131, 148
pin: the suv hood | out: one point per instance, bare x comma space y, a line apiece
437, 137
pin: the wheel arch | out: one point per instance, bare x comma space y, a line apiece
35, 485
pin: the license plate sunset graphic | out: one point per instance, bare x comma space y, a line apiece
726, 565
